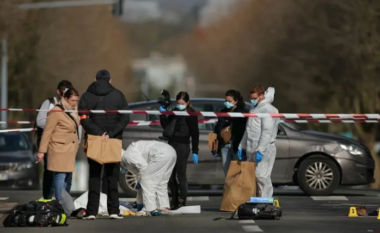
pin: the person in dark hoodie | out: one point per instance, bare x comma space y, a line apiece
185, 127
101, 95
236, 125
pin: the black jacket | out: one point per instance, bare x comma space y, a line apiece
238, 127
101, 95
185, 127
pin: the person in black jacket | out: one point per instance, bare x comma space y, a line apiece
184, 129
228, 150
101, 95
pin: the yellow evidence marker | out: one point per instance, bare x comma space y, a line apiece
353, 212
276, 203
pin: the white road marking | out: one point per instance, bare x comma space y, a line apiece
205, 198
246, 221
252, 228
4, 198
329, 198
347, 204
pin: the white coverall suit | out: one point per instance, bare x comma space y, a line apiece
260, 135
153, 163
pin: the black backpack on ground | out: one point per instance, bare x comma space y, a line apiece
39, 131
258, 211
40, 213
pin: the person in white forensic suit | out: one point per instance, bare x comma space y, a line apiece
153, 163
259, 138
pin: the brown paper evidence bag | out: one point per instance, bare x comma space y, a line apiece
103, 150
239, 185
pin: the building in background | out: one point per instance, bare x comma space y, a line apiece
159, 72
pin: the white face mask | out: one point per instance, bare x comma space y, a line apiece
181, 106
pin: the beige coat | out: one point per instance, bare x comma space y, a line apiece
60, 141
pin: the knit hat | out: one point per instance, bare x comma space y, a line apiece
103, 74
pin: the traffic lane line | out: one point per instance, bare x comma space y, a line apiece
4, 198
329, 198
251, 228
250, 221
200, 198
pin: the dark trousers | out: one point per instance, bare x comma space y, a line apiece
104, 182
47, 182
48, 177
179, 171
112, 171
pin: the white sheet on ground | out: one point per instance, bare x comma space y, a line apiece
81, 202
195, 209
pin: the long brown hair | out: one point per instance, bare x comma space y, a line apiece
182, 95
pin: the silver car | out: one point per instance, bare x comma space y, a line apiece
317, 162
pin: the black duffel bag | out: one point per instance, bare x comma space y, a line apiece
258, 211
41, 213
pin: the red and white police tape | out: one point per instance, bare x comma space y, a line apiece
214, 120
217, 114
209, 121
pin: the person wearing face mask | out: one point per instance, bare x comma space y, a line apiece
184, 129
228, 150
60, 141
259, 138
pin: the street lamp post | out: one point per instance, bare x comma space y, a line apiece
4, 81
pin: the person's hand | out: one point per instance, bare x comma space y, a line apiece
162, 108
40, 157
214, 154
259, 157
195, 158
106, 136
138, 186
240, 154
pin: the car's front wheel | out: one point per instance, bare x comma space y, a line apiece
318, 176
128, 182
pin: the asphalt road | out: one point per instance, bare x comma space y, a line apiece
300, 214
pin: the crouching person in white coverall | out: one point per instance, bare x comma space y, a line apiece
259, 138
153, 163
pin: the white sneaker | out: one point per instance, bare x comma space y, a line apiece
116, 216
89, 217
165, 211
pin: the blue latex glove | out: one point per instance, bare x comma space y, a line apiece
240, 154
138, 186
139, 207
162, 108
195, 158
259, 156
215, 155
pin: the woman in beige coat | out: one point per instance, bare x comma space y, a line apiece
60, 140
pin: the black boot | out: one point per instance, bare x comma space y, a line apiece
181, 202
174, 203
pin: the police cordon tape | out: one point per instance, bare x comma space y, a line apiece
214, 120
204, 121
363, 116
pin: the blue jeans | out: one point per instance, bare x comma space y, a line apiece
228, 155
62, 180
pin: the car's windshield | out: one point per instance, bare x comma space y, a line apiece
293, 126
12, 142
